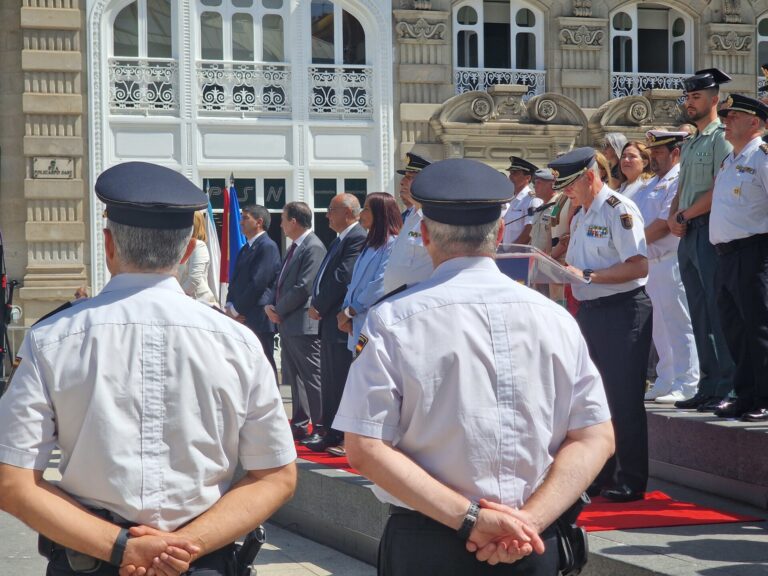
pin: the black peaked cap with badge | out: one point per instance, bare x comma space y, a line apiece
415, 163
517, 163
149, 196
570, 166
657, 138
739, 103
459, 191
705, 79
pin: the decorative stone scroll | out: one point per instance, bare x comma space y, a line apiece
730, 43
421, 30
582, 37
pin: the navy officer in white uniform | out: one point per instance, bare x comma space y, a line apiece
518, 219
470, 389
152, 398
608, 249
738, 229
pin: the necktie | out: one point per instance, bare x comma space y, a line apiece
288, 257
331, 251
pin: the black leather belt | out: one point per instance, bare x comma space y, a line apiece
734, 245
612, 299
698, 222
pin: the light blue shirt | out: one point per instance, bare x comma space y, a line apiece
367, 285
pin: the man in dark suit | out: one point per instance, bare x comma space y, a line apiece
252, 285
328, 293
298, 332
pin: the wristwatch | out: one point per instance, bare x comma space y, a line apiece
587, 275
680, 218
118, 549
470, 519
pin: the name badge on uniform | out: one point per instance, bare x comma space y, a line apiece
597, 231
413, 234
748, 169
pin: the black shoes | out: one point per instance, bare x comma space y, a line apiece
298, 433
622, 493
712, 404
314, 437
759, 415
694, 402
322, 443
735, 408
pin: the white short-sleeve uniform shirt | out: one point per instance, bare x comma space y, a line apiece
152, 398
475, 377
609, 232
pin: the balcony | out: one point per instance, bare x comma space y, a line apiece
469, 79
341, 91
243, 88
143, 86
634, 84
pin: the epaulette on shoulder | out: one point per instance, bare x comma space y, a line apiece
392, 293
61, 308
613, 201
764, 148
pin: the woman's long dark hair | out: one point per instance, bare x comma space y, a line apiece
386, 219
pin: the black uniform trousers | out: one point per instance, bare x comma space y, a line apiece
335, 360
267, 340
218, 563
698, 265
415, 545
742, 281
617, 329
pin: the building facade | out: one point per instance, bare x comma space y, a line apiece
304, 99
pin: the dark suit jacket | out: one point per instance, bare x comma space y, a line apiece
253, 283
295, 288
333, 284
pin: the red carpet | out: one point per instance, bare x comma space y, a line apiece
657, 510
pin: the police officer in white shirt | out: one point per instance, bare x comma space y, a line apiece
738, 229
465, 390
408, 262
678, 367
608, 248
152, 398
518, 218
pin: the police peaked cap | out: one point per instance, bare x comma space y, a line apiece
415, 163
657, 138
544, 174
570, 166
149, 196
461, 192
739, 103
704, 79
517, 163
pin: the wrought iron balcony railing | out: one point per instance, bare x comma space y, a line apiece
341, 91
244, 87
634, 84
469, 79
143, 85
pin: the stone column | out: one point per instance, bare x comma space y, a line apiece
730, 45
55, 150
585, 76
423, 81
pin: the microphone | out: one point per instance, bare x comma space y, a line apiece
531, 212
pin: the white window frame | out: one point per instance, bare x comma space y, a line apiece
143, 33
257, 12
514, 7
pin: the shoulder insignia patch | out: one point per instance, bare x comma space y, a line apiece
54, 312
626, 221
392, 293
764, 148
361, 342
613, 201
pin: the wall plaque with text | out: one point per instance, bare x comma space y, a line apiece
53, 168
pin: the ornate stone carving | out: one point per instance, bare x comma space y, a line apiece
511, 108
481, 108
421, 30
732, 11
545, 110
730, 42
582, 36
582, 8
639, 111
666, 112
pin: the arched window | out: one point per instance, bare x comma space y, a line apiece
340, 77
498, 43
762, 49
651, 47
143, 72
242, 64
